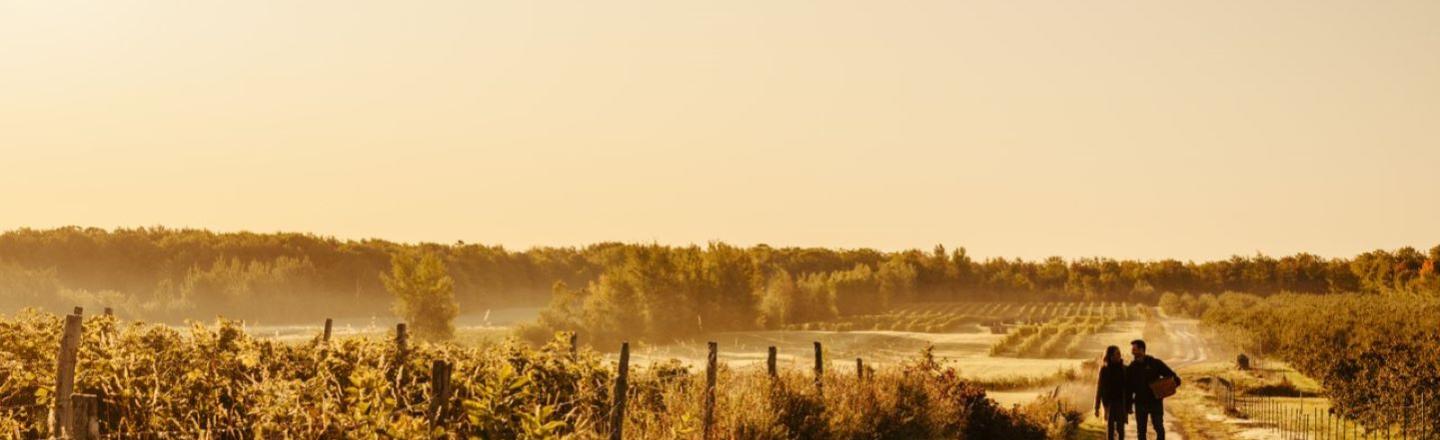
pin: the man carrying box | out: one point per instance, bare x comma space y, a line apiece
1151, 381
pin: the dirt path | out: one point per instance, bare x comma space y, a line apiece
1186, 347
1192, 411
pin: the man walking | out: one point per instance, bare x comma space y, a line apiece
1142, 372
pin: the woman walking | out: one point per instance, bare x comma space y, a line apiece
1111, 392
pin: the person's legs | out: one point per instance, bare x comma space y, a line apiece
1116, 430
1157, 417
1141, 418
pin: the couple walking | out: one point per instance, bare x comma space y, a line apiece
1140, 387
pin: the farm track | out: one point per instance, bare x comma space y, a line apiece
1187, 348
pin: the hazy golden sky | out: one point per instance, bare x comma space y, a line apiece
1146, 129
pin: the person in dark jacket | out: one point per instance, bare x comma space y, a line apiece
1112, 391
1143, 371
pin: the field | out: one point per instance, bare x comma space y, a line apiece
250, 378
154, 381
967, 317
978, 339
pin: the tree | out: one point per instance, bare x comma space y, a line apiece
424, 294
896, 280
776, 300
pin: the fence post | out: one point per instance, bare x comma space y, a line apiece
65, 373
819, 368
401, 339
617, 408
859, 369
710, 367
440, 390
1405, 422
1425, 419
1422, 416
770, 362
328, 322
83, 425
574, 346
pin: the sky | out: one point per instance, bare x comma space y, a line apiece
1154, 129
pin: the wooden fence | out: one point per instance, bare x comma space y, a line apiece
76, 415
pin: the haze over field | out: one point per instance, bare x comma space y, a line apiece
760, 220
1157, 130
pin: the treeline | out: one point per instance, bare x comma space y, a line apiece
169, 274
1372, 352
661, 292
668, 292
161, 273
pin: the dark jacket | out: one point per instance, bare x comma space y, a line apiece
1141, 374
1113, 391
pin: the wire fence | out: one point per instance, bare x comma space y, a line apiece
1302, 417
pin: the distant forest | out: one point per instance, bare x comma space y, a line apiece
170, 274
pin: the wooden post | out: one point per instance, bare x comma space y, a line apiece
440, 372
1405, 422
328, 323
710, 367
617, 407
819, 367
400, 337
109, 311
1426, 421
65, 372
574, 346
84, 425
770, 362
859, 369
